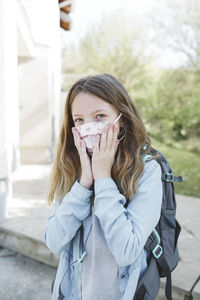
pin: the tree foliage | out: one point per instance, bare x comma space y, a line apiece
177, 26
178, 103
117, 46
168, 99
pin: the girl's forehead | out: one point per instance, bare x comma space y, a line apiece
84, 102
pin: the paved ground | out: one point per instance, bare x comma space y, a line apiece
27, 212
22, 278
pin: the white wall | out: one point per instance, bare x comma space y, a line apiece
35, 115
39, 79
9, 131
30, 35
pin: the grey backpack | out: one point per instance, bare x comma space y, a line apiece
161, 245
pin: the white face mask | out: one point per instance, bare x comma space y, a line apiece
88, 132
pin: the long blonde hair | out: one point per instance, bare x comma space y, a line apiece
128, 165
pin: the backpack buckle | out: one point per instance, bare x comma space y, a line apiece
80, 260
157, 251
169, 177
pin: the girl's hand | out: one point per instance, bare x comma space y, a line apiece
86, 170
104, 151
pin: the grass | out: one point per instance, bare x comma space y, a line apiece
183, 163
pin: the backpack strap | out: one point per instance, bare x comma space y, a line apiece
149, 283
153, 245
140, 293
164, 266
76, 246
169, 177
78, 256
146, 157
167, 174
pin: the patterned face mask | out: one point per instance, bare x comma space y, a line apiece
88, 132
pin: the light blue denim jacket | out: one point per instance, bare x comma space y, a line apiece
126, 230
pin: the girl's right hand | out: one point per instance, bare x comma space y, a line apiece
86, 169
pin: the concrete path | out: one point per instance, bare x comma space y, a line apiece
23, 230
22, 278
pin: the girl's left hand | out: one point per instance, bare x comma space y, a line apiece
104, 151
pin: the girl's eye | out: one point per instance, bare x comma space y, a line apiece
101, 116
77, 120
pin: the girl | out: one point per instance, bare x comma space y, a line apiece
107, 201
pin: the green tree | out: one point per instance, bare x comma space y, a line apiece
178, 103
177, 26
117, 45
168, 100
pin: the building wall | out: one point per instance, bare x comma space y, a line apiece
9, 121
34, 108
29, 86
39, 79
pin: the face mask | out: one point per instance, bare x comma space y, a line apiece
88, 132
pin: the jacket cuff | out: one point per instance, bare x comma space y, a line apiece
104, 183
81, 192
107, 184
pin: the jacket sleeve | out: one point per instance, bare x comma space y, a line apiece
67, 217
126, 230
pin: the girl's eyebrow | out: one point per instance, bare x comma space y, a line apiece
98, 110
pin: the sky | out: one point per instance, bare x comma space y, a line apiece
85, 13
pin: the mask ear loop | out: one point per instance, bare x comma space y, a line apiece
123, 135
117, 118
125, 129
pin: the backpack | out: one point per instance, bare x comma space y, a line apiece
161, 245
